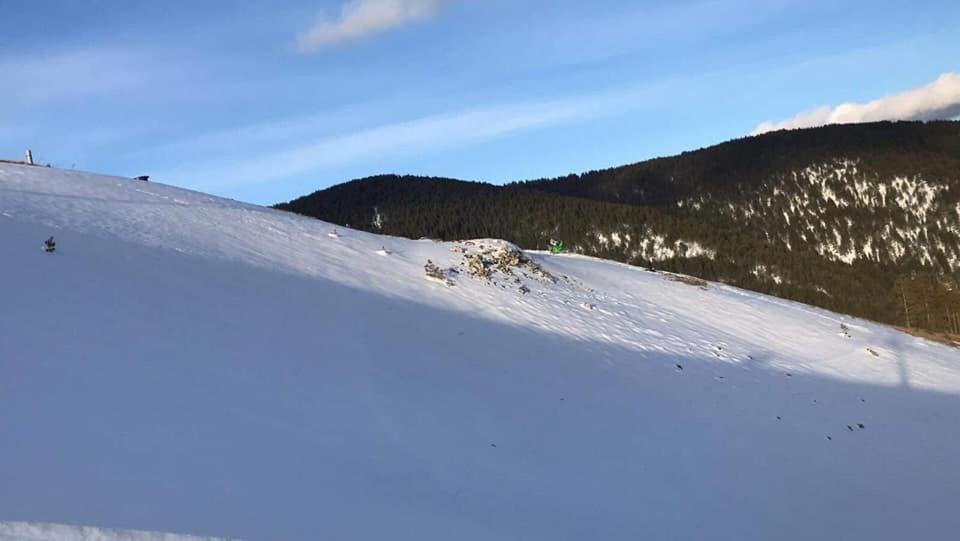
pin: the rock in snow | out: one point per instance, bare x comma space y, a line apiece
192, 364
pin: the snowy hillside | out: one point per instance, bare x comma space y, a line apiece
190, 364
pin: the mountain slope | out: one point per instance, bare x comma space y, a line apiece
843, 217
187, 363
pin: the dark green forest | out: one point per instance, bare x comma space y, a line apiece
861, 219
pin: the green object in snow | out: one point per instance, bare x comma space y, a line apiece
556, 246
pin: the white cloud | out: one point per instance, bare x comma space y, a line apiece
937, 100
362, 18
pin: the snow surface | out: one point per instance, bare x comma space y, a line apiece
192, 364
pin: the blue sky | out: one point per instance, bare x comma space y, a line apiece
265, 101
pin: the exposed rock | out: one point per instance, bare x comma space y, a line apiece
500, 265
477, 266
689, 280
434, 273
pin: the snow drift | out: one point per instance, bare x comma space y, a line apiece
192, 364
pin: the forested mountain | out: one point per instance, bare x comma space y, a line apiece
863, 218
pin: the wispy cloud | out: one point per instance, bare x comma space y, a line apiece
70, 74
274, 158
80, 75
361, 18
937, 100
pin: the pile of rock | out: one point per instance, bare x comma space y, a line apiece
481, 264
477, 265
539, 273
434, 273
507, 259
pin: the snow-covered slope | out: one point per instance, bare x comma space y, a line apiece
187, 363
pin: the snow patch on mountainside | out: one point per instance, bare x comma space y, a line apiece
651, 246
911, 211
765, 273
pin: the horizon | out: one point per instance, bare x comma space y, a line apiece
617, 166
264, 104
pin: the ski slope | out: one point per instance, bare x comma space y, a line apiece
186, 363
